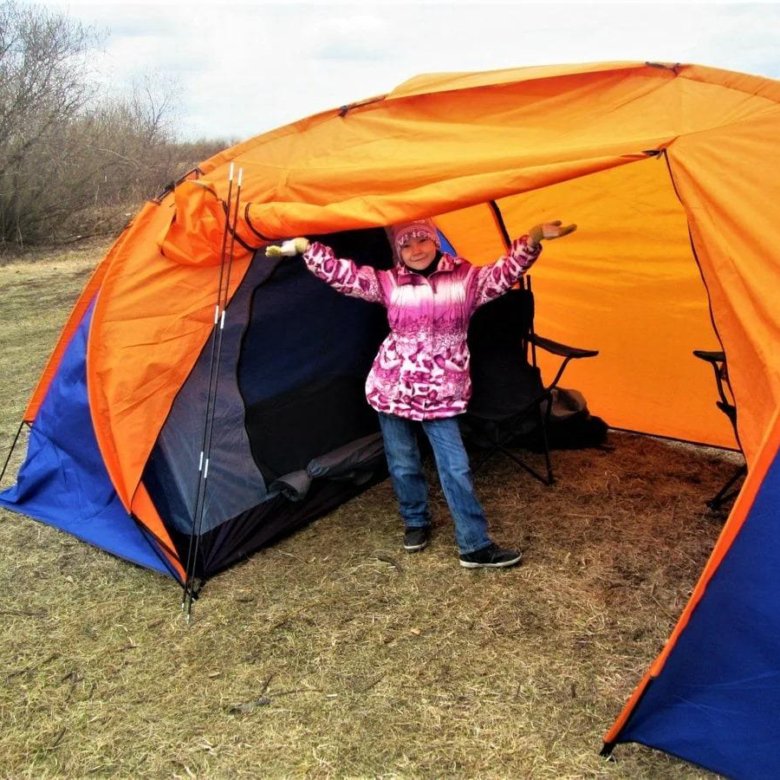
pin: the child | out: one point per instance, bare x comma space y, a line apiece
421, 372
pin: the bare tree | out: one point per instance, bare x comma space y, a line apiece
42, 86
153, 104
74, 161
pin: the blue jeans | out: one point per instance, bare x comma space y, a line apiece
452, 463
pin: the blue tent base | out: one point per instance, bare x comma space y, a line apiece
63, 481
136, 547
716, 701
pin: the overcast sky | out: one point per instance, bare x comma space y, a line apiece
243, 68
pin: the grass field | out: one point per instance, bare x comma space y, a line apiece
334, 653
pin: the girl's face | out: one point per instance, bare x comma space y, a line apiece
418, 253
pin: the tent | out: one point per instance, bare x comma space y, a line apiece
203, 400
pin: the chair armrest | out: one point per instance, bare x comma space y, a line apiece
726, 404
710, 357
562, 350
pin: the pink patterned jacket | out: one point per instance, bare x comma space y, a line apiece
421, 371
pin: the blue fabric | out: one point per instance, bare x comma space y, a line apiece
63, 481
296, 321
717, 700
446, 246
403, 460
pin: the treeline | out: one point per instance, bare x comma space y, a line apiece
74, 161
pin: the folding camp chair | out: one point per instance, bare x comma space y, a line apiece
510, 401
726, 404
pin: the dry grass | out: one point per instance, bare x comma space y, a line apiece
334, 653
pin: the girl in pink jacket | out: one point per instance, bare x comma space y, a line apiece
420, 375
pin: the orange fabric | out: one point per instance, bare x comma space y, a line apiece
739, 513
429, 83
625, 284
732, 210
566, 142
145, 511
427, 154
197, 236
152, 318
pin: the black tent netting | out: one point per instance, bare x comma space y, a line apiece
293, 436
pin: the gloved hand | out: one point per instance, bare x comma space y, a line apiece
549, 230
295, 246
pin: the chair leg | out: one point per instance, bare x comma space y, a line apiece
544, 418
482, 461
545, 480
548, 478
723, 494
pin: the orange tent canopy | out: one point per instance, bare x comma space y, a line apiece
669, 171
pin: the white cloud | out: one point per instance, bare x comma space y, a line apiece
248, 67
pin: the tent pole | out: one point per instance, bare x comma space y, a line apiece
187, 588
231, 254
226, 263
11, 451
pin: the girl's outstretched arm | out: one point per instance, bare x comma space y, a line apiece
344, 276
493, 280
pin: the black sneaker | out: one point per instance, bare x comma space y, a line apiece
416, 539
491, 557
